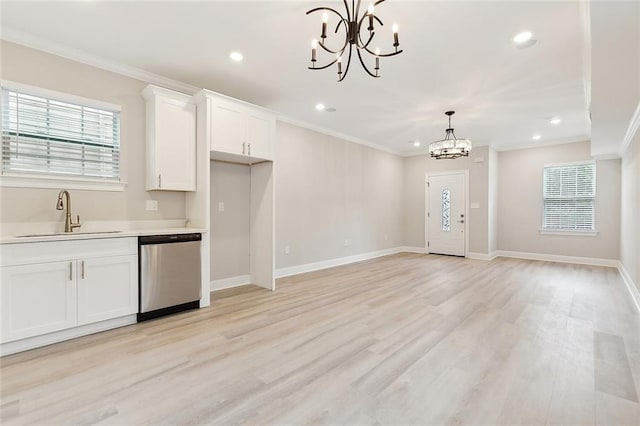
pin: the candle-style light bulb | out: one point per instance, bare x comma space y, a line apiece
377, 60
395, 35
370, 11
339, 60
325, 19
314, 46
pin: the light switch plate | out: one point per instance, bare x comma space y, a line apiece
287, 249
152, 205
221, 206
475, 205
479, 159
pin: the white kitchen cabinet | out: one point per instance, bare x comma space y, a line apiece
37, 299
239, 132
63, 285
107, 288
171, 140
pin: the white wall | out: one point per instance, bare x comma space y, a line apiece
230, 229
415, 169
328, 190
630, 211
493, 201
24, 65
520, 203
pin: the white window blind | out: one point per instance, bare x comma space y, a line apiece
41, 135
569, 193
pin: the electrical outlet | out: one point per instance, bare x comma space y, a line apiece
152, 205
287, 249
347, 243
221, 206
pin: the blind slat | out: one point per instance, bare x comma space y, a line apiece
47, 136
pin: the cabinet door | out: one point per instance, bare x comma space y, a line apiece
37, 299
259, 135
107, 288
175, 145
228, 128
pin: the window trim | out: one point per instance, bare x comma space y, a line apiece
48, 181
570, 232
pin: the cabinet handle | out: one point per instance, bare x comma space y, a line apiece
160, 180
249, 148
70, 271
82, 269
242, 148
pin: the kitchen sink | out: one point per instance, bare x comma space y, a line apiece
67, 233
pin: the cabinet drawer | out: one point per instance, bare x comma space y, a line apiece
53, 251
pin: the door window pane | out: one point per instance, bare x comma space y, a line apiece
446, 210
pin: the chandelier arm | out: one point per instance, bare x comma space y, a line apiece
346, 26
356, 11
377, 2
383, 55
346, 6
341, 50
362, 45
317, 9
366, 16
324, 67
365, 66
346, 70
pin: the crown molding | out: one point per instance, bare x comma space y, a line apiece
57, 49
632, 130
539, 144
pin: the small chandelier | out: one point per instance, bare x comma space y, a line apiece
450, 146
352, 24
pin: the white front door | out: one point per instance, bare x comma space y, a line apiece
446, 219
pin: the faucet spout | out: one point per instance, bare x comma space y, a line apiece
69, 226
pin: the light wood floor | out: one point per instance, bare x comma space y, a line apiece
402, 339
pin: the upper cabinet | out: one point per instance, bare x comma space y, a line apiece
238, 132
171, 140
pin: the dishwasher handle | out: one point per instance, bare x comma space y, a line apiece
168, 239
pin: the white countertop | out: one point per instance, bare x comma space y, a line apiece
37, 238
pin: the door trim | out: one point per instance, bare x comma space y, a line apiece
465, 172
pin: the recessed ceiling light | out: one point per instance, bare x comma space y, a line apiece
416, 144
524, 39
555, 120
536, 137
320, 107
236, 56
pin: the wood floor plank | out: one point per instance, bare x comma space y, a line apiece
401, 339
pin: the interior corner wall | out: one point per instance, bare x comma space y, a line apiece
520, 203
329, 190
630, 211
415, 169
493, 200
32, 67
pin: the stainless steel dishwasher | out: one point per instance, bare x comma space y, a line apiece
170, 274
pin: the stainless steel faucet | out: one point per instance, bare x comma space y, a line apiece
69, 226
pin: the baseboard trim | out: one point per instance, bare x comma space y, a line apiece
613, 263
230, 282
631, 286
482, 256
419, 250
316, 266
59, 336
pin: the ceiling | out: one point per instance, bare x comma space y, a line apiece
457, 55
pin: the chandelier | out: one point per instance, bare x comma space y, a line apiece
352, 24
450, 146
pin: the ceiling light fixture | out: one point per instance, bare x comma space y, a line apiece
236, 56
536, 137
524, 39
320, 107
352, 24
450, 146
555, 120
416, 144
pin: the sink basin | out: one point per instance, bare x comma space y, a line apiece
67, 233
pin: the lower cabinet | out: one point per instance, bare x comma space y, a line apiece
37, 299
49, 296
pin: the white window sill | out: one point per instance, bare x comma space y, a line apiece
568, 232
60, 182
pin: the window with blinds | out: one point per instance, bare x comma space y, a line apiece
569, 192
46, 136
